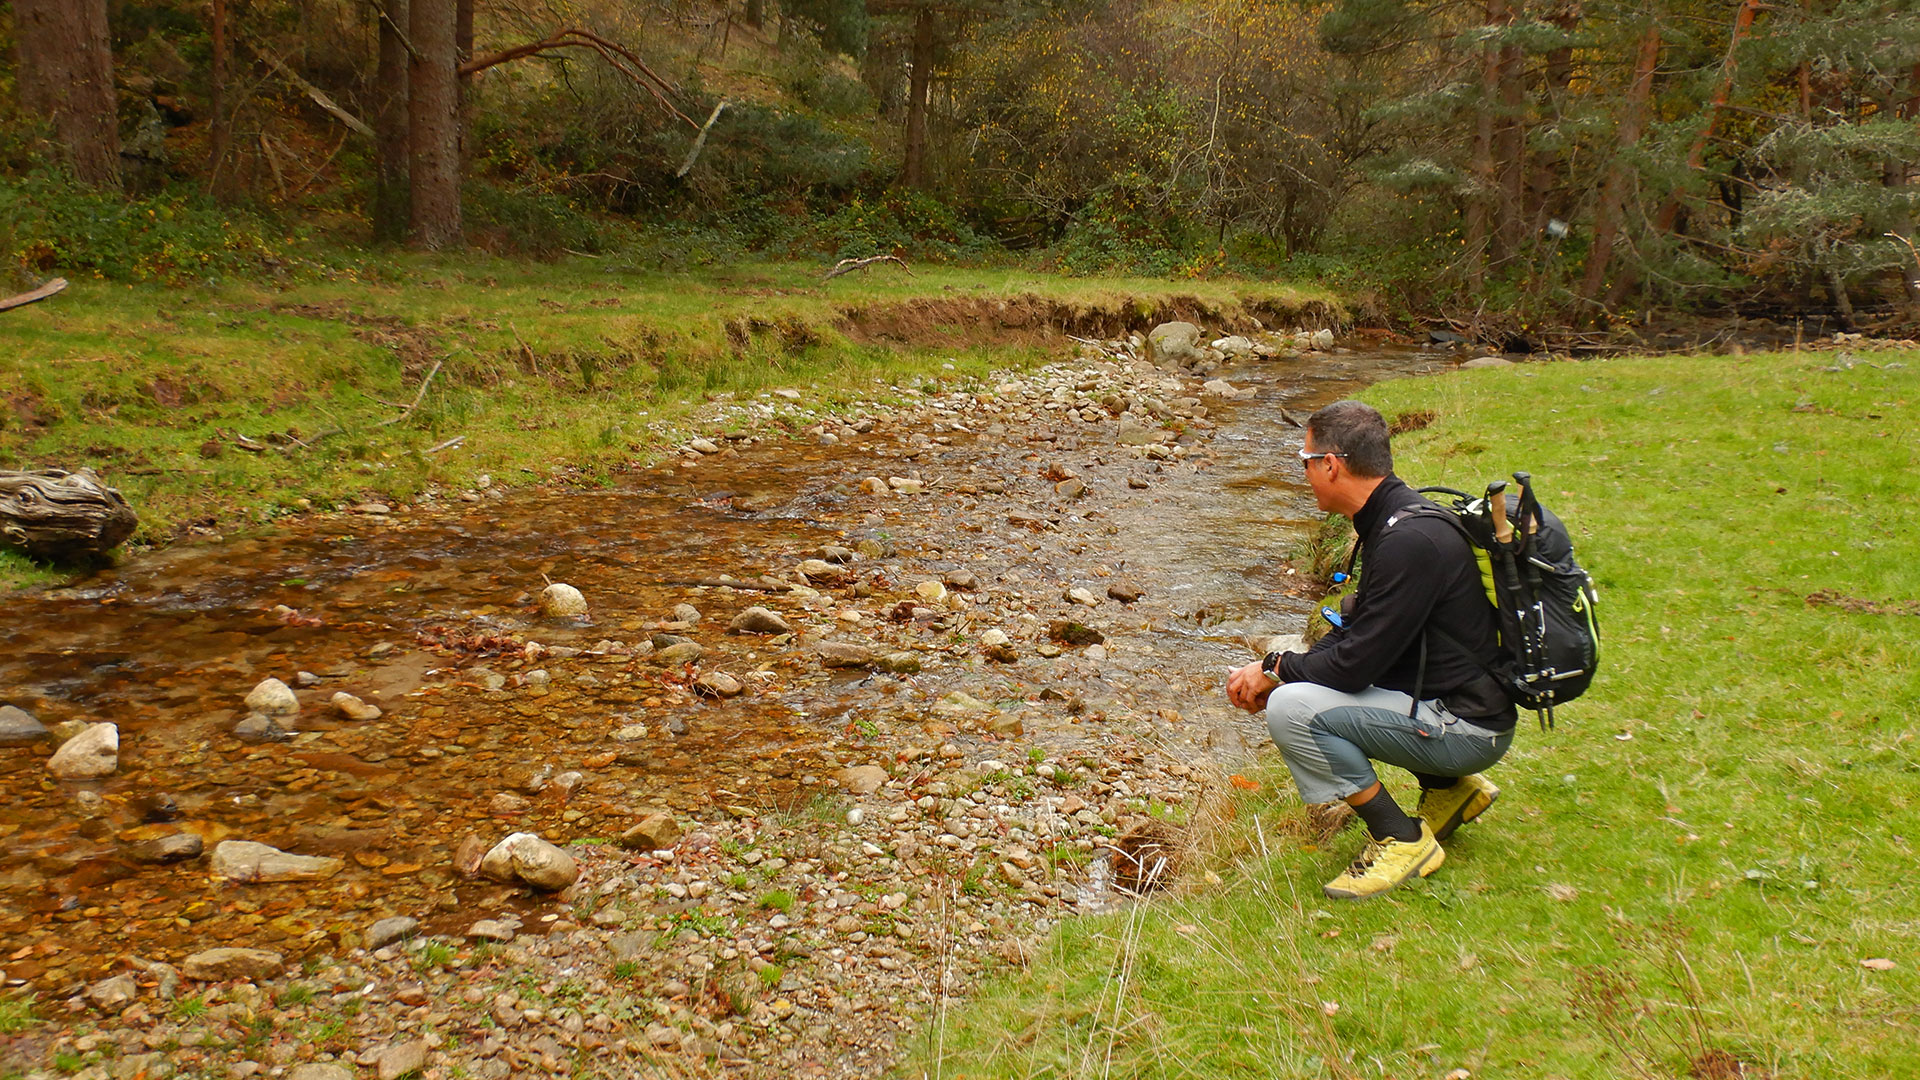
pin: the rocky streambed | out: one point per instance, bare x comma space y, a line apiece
835, 715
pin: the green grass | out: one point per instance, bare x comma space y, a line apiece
17, 1014
1696, 861
587, 362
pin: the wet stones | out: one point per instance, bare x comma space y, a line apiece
1082, 596
655, 832
898, 663
114, 994
685, 652
273, 698
1068, 632
841, 654
562, 601
176, 847
219, 965
1125, 592
997, 646
526, 858
392, 929
353, 708
758, 620
718, 684
90, 755
244, 860
261, 729
18, 727
818, 571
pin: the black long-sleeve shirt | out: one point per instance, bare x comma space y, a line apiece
1416, 571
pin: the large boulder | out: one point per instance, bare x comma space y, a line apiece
90, 755
1175, 344
525, 857
244, 860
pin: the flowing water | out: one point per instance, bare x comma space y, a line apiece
422, 610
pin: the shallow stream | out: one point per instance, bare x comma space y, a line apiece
424, 610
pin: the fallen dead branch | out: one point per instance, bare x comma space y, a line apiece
848, 266
422, 395
34, 296
448, 445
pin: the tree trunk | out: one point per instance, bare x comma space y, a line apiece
1480, 208
1510, 150
220, 126
433, 125
919, 89
390, 201
1697, 153
1613, 190
756, 13
53, 514
1894, 175
65, 73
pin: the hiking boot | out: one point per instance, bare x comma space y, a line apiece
1384, 864
1446, 809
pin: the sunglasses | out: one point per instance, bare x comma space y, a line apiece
1308, 457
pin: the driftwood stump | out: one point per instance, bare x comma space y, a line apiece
63, 516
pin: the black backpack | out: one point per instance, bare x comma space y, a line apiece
1549, 628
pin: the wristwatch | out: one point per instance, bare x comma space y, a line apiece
1270, 666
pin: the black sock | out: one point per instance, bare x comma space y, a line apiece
1428, 782
1385, 820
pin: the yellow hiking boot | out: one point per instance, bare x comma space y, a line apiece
1446, 809
1384, 864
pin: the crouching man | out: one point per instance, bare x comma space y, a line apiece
1420, 623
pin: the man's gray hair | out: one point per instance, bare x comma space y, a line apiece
1357, 430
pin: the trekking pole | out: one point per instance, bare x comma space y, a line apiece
1497, 506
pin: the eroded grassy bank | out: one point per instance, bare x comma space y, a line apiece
211, 407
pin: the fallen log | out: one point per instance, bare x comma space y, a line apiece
62, 516
35, 296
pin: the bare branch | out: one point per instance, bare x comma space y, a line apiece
848, 266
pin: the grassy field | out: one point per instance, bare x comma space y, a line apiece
1709, 865
582, 364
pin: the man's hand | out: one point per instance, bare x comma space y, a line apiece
1248, 687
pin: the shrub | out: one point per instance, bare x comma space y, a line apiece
49, 223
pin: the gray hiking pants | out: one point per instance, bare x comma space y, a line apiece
1330, 739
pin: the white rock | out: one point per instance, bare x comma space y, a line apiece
562, 601
353, 708
90, 755
273, 698
525, 857
243, 860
